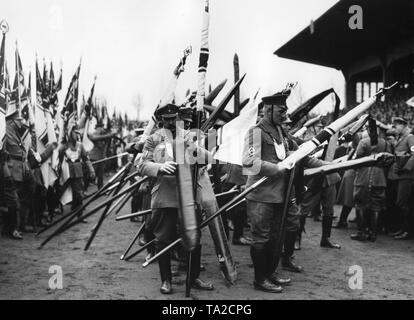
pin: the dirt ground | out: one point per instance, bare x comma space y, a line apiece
387, 265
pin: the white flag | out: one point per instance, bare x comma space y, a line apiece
233, 133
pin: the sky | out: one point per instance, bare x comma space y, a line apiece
133, 46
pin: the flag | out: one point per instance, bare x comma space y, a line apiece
71, 101
58, 85
410, 102
89, 125
203, 61
231, 135
300, 112
20, 99
45, 130
19, 95
3, 104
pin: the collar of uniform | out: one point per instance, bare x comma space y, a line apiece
268, 127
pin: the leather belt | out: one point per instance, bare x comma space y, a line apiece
18, 158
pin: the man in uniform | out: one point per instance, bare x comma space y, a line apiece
8, 200
266, 145
19, 168
158, 162
74, 152
370, 186
101, 140
402, 171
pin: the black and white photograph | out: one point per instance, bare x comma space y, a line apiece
206, 154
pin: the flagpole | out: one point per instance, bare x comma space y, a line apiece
18, 81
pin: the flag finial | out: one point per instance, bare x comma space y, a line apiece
4, 26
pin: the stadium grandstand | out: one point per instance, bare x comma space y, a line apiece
379, 54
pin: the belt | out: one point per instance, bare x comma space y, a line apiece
18, 158
70, 161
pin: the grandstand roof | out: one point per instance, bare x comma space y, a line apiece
386, 23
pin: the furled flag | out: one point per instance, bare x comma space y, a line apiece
300, 112
231, 135
19, 94
3, 105
89, 125
20, 100
410, 102
45, 130
71, 101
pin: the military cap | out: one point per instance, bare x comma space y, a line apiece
277, 99
400, 120
168, 111
186, 114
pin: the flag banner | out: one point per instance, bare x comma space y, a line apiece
231, 142
304, 109
71, 101
45, 131
410, 102
2, 90
87, 143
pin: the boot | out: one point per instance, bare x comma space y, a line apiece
326, 234
302, 221
361, 235
374, 226
271, 268
164, 263
259, 255
287, 260
342, 223
196, 282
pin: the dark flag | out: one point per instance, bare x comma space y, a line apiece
3, 103
300, 112
71, 101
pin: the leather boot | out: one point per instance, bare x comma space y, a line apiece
342, 223
259, 257
302, 221
271, 269
196, 282
287, 259
361, 235
374, 226
164, 263
326, 234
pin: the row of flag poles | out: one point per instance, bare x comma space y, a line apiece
43, 115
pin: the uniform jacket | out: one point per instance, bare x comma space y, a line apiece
370, 176
74, 155
17, 153
100, 141
158, 149
404, 151
260, 159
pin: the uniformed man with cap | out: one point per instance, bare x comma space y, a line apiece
101, 139
20, 173
74, 152
402, 171
158, 162
266, 145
